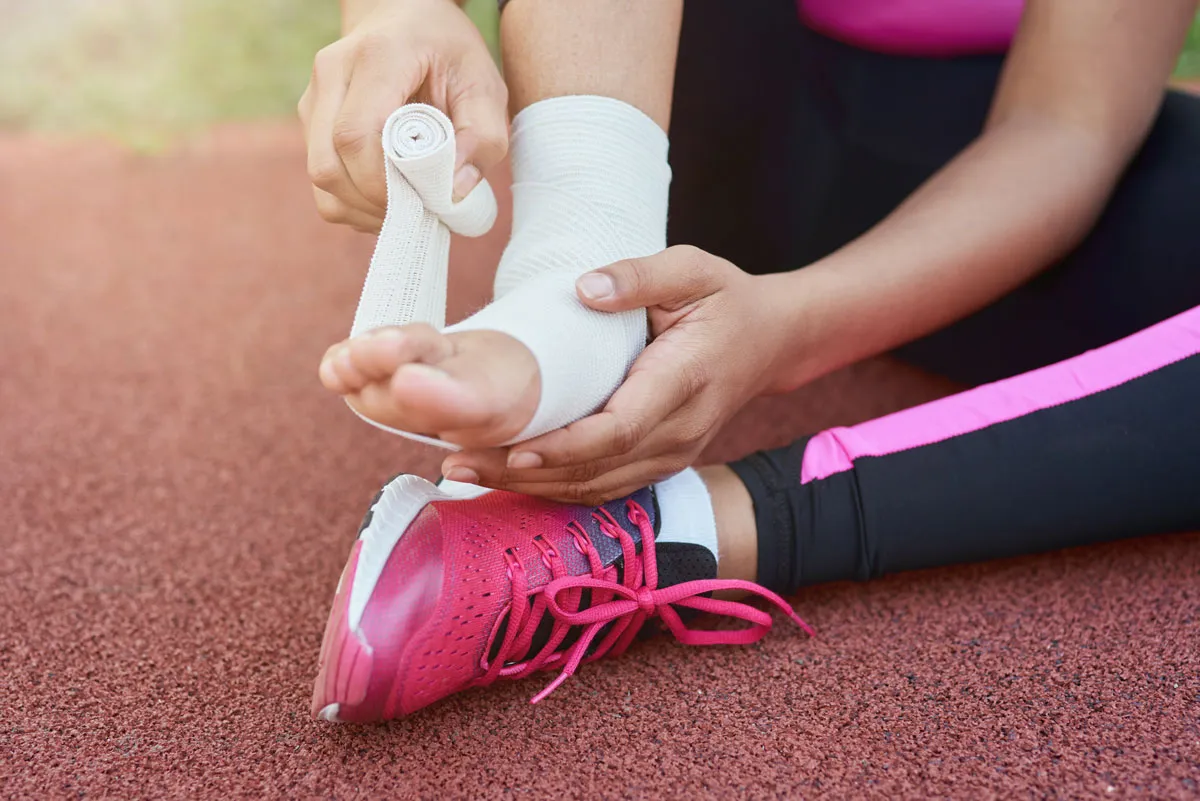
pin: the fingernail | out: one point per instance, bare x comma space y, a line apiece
524, 460
465, 180
464, 474
596, 286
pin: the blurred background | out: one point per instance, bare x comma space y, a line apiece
145, 71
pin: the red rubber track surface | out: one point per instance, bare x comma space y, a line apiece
178, 496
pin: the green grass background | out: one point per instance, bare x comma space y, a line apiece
144, 71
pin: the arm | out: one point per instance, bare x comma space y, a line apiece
1079, 92
602, 47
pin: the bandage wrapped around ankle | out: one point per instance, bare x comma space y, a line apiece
590, 184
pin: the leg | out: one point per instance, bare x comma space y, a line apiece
620, 50
1103, 446
445, 593
590, 178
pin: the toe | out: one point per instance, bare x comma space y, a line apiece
342, 365
380, 353
436, 400
333, 370
376, 355
481, 394
329, 377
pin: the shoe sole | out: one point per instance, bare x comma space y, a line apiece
347, 659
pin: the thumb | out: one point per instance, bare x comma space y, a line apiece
671, 279
480, 117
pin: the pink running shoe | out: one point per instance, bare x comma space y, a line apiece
443, 593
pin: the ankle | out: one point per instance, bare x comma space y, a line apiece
737, 533
590, 187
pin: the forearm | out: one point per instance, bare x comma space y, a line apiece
1080, 89
602, 47
1010, 205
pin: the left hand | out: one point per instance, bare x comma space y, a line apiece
717, 336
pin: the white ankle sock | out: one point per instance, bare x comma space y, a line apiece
686, 512
590, 182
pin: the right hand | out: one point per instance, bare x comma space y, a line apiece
398, 51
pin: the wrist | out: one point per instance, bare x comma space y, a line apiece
807, 314
355, 11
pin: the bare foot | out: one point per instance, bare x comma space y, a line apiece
471, 388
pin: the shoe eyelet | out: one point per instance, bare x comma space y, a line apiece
511, 563
579, 537
608, 524
546, 549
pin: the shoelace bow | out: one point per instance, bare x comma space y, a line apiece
626, 604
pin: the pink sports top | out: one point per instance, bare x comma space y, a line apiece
917, 27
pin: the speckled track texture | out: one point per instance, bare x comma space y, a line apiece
178, 496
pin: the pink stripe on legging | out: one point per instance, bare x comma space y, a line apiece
835, 450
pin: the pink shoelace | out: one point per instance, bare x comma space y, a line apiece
627, 604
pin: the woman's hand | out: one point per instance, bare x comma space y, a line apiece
718, 335
392, 52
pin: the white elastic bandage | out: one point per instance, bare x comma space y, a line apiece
406, 281
590, 184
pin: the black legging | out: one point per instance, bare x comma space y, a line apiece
841, 137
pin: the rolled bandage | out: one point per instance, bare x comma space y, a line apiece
406, 282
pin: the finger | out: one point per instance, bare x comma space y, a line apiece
377, 87
675, 442
636, 409
484, 464
304, 109
324, 99
673, 278
480, 116
491, 469
333, 209
617, 483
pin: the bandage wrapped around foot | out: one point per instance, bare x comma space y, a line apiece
406, 282
590, 183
